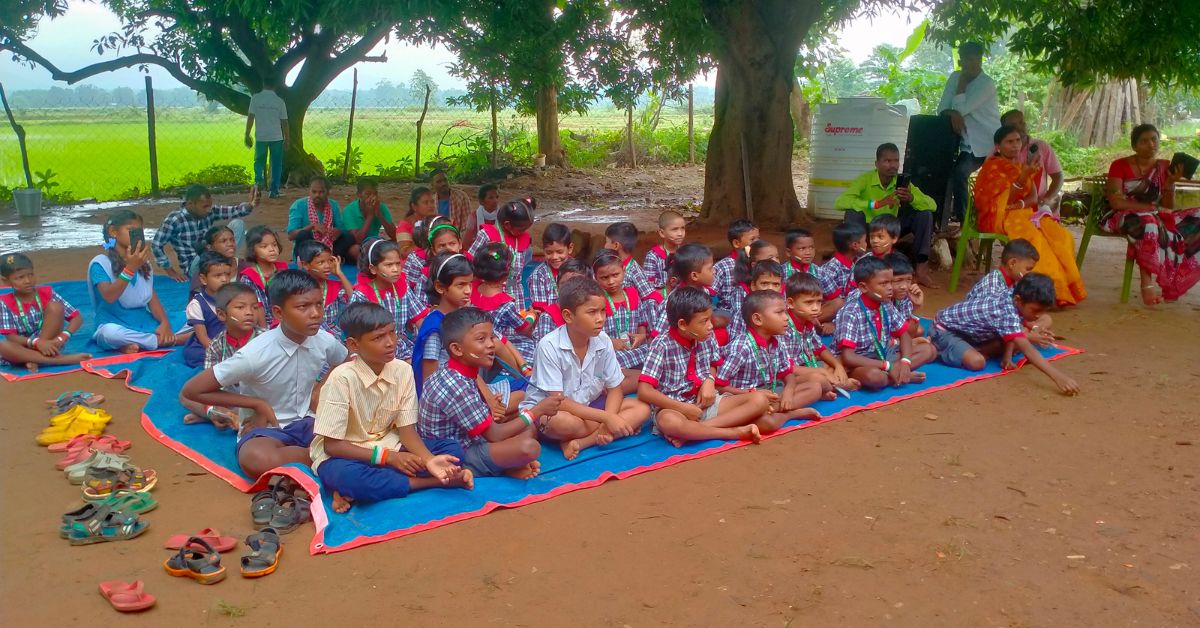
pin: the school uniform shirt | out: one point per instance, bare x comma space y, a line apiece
507, 320
635, 277
452, 407
25, 318
655, 266
522, 255
280, 372
654, 311
793, 267
365, 408
365, 291
223, 346
732, 303
988, 316
868, 327
622, 321
837, 277
252, 276
752, 361
804, 342
414, 268
201, 310
484, 217
549, 319
182, 230
723, 273
543, 286
996, 281
905, 306
660, 324
677, 365
556, 368
336, 301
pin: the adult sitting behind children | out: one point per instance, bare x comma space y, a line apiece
877, 192
275, 374
317, 217
184, 226
990, 324
366, 215
365, 446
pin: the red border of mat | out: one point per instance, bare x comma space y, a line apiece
321, 517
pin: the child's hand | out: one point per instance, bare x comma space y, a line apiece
264, 416
839, 377
639, 338
176, 274
619, 344
49, 348
692, 412
497, 407
548, 406
222, 418
1041, 337
407, 463
444, 467
1006, 363
337, 268
138, 256
165, 336
773, 400
708, 394
916, 295
617, 426
900, 374
1066, 385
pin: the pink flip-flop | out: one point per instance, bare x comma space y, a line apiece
127, 597
79, 441
213, 537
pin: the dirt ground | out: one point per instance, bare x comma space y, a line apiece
1000, 503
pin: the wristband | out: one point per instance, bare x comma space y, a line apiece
66, 333
383, 455
870, 204
33, 343
375, 456
526, 370
29, 341
887, 366
906, 361
525, 417
125, 276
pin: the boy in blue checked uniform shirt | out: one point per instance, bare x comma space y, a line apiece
812, 359
741, 234
1017, 260
837, 275
758, 362
990, 325
622, 238
679, 379
872, 335
452, 407
35, 322
183, 227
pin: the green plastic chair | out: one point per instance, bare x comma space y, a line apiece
1091, 228
971, 232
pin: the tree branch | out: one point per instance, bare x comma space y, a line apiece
315, 77
231, 98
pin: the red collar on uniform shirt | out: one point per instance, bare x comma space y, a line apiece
683, 340
745, 287
555, 313
631, 302
871, 304
494, 234
802, 324
844, 260
45, 293
238, 343
470, 372
333, 288
489, 303
877, 255
798, 266
421, 254
1008, 281
553, 272
759, 340
367, 287
659, 250
733, 255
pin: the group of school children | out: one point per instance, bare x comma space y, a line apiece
436, 367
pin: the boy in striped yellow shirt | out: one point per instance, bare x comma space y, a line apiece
365, 446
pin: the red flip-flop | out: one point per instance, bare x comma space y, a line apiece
213, 537
83, 440
127, 597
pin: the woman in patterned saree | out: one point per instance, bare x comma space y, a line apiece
1141, 207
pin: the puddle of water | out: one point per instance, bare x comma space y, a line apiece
60, 227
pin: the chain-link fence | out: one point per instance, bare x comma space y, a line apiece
89, 142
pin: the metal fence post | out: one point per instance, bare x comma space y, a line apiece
350, 130
151, 136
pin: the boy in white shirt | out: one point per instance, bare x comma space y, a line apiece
578, 361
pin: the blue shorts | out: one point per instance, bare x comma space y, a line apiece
478, 458
363, 482
298, 433
951, 347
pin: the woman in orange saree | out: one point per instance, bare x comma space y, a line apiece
1006, 202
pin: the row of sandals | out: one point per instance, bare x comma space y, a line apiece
117, 493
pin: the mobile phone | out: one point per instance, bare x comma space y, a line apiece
902, 180
137, 235
1188, 162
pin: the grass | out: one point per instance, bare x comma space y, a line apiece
104, 153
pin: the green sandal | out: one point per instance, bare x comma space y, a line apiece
129, 501
105, 525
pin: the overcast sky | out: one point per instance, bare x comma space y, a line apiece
67, 42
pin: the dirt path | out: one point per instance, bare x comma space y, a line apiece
996, 504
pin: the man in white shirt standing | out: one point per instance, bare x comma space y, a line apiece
1049, 184
969, 99
270, 134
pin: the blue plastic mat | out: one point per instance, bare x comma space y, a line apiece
172, 294
162, 377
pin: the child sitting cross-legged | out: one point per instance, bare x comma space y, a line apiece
989, 324
882, 234
678, 379
621, 238
837, 275
275, 375
759, 360
907, 295
214, 272
872, 335
578, 360
236, 306
453, 407
625, 322
812, 359
35, 321
550, 315
365, 445
1016, 260
744, 266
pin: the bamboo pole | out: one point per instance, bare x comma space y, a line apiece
152, 136
350, 130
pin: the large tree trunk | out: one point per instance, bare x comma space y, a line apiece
549, 143
801, 112
751, 139
299, 166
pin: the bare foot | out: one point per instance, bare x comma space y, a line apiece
192, 418
918, 377
465, 479
829, 396
675, 442
750, 433
603, 436
570, 448
341, 503
808, 414
924, 277
526, 472
32, 367
128, 349
1151, 295
852, 385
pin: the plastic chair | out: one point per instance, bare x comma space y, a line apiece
1091, 227
971, 232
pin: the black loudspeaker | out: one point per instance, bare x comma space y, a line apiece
930, 154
